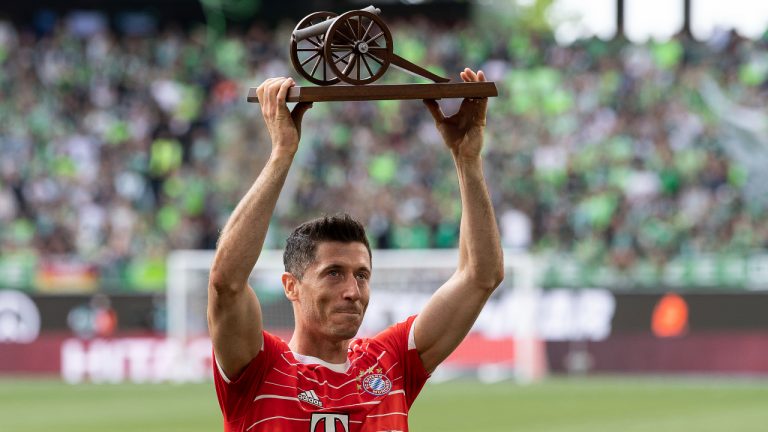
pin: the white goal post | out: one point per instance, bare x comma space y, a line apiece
503, 343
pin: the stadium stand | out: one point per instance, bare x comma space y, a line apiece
119, 148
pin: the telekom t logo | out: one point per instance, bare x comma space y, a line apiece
330, 420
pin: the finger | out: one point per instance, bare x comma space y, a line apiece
298, 112
470, 74
282, 92
266, 82
272, 90
263, 91
434, 109
262, 88
260, 93
481, 76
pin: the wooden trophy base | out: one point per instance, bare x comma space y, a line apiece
387, 92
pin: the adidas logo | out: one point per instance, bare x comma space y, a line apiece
310, 396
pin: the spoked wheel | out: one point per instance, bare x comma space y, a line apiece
358, 47
307, 55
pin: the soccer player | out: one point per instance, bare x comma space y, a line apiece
325, 379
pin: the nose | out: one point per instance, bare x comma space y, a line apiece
351, 289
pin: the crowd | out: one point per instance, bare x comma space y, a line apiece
119, 148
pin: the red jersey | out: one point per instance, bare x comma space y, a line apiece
283, 391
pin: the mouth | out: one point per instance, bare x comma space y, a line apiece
347, 311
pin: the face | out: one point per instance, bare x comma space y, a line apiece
332, 297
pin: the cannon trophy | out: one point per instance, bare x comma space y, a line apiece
345, 53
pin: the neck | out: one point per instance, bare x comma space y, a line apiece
331, 351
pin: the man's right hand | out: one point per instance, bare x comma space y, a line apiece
284, 126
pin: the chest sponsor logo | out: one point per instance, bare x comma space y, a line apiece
329, 422
310, 397
377, 384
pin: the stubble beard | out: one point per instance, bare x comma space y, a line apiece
347, 330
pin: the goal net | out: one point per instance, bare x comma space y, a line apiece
502, 344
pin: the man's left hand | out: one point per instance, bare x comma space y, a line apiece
463, 131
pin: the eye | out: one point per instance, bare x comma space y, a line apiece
334, 273
362, 276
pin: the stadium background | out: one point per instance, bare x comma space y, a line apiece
630, 169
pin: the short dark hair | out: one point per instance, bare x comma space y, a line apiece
302, 243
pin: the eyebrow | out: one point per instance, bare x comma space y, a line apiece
333, 266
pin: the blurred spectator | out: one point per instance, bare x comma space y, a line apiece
118, 148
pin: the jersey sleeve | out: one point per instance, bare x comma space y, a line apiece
236, 393
399, 339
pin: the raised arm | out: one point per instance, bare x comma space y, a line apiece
453, 309
234, 313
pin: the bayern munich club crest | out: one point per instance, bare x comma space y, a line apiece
377, 384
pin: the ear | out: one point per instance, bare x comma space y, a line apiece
290, 286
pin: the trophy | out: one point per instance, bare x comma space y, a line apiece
344, 54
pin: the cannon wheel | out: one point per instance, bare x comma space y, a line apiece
358, 46
307, 55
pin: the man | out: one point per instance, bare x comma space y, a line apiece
324, 379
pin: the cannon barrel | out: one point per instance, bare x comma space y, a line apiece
320, 28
